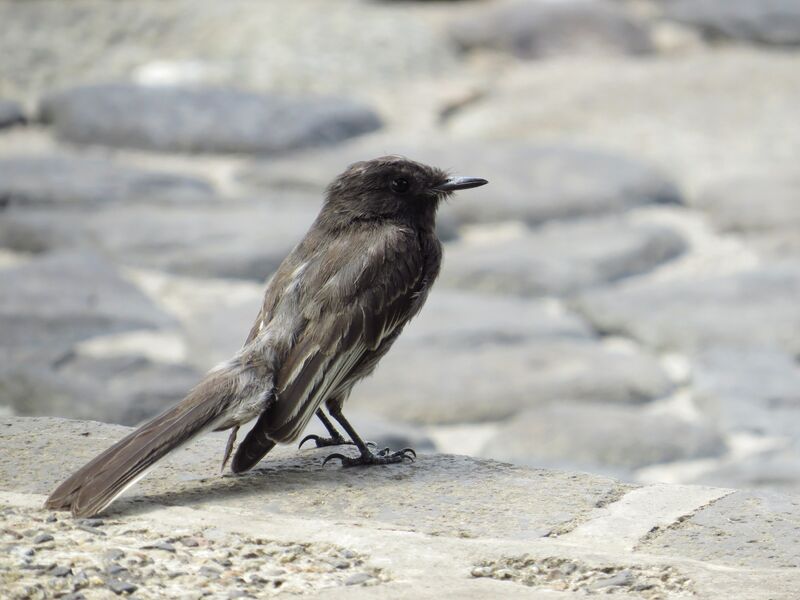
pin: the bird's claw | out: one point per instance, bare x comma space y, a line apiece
341, 457
384, 457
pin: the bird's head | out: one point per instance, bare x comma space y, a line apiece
391, 187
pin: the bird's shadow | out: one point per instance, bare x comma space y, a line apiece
271, 479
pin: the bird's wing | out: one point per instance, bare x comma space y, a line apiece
359, 298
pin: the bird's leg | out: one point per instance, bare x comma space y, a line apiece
336, 439
384, 457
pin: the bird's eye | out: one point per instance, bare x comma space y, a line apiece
399, 185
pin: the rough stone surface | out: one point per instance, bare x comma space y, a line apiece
529, 182
597, 438
203, 120
751, 308
742, 529
560, 258
224, 239
397, 531
11, 114
293, 483
69, 181
774, 22
538, 28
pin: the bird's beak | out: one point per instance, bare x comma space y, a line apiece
460, 183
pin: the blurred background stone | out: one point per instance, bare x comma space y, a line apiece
202, 119
11, 114
774, 22
600, 439
754, 307
560, 258
65, 180
541, 28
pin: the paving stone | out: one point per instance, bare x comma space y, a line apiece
751, 308
772, 22
538, 29
195, 119
560, 258
70, 181
763, 209
445, 376
52, 302
599, 438
735, 531
752, 390
664, 111
236, 240
125, 390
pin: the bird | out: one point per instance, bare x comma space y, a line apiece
331, 311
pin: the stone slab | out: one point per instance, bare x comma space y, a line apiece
643, 542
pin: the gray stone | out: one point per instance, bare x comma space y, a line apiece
60, 299
121, 587
298, 46
528, 182
776, 469
752, 308
597, 438
773, 22
197, 119
233, 239
11, 114
472, 318
541, 28
62, 180
124, 390
560, 258
753, 390
735, 531
437, 374
763, 209
653, 110
358, 579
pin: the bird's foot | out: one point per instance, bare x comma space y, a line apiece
384, 457
322, 442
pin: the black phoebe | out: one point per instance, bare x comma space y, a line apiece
330, 312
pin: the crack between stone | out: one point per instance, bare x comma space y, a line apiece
658, 530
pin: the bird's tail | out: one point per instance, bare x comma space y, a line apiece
98, 483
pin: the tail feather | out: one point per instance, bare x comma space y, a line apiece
98, 483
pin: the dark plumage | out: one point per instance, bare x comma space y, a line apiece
330, 312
